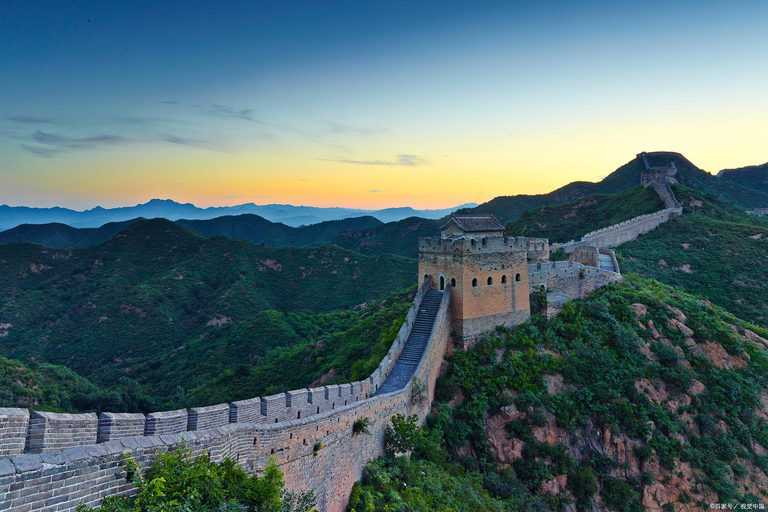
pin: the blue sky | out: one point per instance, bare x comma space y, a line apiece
374, 104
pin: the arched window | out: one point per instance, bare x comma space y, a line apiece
490, 280
474, 283
442, 283
485, 241
473, 242
517, 277
504, 279
453, 282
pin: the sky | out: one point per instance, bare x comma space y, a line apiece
427, 104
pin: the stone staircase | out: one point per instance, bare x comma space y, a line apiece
410, 356
606, 262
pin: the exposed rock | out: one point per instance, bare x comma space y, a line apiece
507, 449
655, 391
653, 330
218, 321
696, 388
718, 355
640, 309
680, 326
554, 383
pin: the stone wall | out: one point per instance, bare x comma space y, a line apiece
49, 431
62, 479
13, 431
564, 280
114, 426
487, 279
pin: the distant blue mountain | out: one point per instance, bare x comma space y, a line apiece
295, 216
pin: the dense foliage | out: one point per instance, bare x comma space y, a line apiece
700, 408
248, 227
427, 481
753, 176
713, 249
177, 481
570, 221
400, 237
164, 310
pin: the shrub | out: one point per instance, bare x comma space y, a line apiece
361, 426
402, 435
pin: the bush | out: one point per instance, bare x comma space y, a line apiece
361, 426
402, 435
177, 481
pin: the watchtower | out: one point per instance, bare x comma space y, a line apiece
487, 274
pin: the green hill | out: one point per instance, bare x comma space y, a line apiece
123, 307
400, 237
62, 236
754, 177
570, 221
639, 397
245, 227
714, 250
507, 208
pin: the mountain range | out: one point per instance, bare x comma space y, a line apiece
290, 215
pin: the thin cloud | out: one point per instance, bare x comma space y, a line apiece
343, 128
225, 111
376, 191
173, 139
51, 144
170, 102
31, 120
403, 159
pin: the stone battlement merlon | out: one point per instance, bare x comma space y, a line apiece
239, 430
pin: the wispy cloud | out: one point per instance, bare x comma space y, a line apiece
170, 102
400, 160
375, 191
215, 109
31, 120
50, 144
343, 128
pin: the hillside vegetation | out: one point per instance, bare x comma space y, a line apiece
145, 304
713, 249
245, 227
640, 397
754, 177
392, 238
570, 221
507, 208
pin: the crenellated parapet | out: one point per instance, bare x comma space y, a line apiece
78, 458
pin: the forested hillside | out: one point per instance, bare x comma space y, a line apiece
570, 221
138, 305
640, 397
245, 227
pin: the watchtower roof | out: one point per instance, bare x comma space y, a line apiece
481, 222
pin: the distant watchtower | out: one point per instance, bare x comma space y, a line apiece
487, 274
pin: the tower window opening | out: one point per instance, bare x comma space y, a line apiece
517, 277
504, 279
485, 241
490, 280
473, 242
453, 282
474, 283
442, 283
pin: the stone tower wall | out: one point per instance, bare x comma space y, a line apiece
478, 306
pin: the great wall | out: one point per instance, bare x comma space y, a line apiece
472, 279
